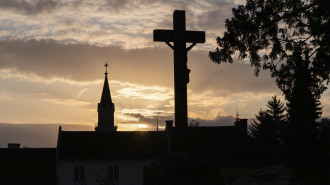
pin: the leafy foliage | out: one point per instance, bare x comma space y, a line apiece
290, 39
269, 31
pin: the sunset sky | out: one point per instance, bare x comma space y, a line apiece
52, 56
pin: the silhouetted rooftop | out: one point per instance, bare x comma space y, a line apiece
195, 141
28, 165
90, 144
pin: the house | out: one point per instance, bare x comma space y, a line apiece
26, 166
87, 157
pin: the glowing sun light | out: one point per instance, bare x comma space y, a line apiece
142, 126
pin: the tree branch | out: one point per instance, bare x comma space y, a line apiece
293, 13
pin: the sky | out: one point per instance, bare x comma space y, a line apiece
52, 56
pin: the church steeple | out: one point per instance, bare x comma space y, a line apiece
106, 108
106, 95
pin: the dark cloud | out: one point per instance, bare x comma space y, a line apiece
117, 4
226, 79
29, 7
83, 62
34, 135
151, 121
209, 20
214, 20
131, 4
149, 66
218, 121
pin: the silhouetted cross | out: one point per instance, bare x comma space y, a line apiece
179, 36
106, 67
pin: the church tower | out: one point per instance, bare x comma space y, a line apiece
106, 108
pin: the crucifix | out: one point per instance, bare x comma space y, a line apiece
106, 68
179, 36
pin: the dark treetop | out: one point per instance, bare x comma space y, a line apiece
280, 35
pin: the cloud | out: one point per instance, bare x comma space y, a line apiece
14, 74
139, 78
150, 66
153, 93
35, 135
29, 7
52, 55
151, 120
125, 23
67, 102
81, 92
83, 62
5, 98
218, 121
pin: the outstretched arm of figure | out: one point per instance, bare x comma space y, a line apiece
191, 46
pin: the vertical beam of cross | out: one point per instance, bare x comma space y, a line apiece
179, 36
106, 68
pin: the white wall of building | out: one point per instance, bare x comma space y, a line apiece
130, 170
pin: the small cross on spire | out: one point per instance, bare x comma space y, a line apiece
106, 68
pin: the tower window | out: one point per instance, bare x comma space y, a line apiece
113, 173
79, 173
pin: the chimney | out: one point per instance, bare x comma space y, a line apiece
14, 145
242, 125
169, 125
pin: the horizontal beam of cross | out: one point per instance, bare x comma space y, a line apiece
168, 36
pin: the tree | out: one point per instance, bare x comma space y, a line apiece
267, 126
237, 119
289, 38
303, 105
276, 109
324, 130
193, 123
263, 126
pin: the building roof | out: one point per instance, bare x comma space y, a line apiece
28, 165
97, 145
194, 141
222, 144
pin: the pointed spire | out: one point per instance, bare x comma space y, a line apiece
106, 108
106, 96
